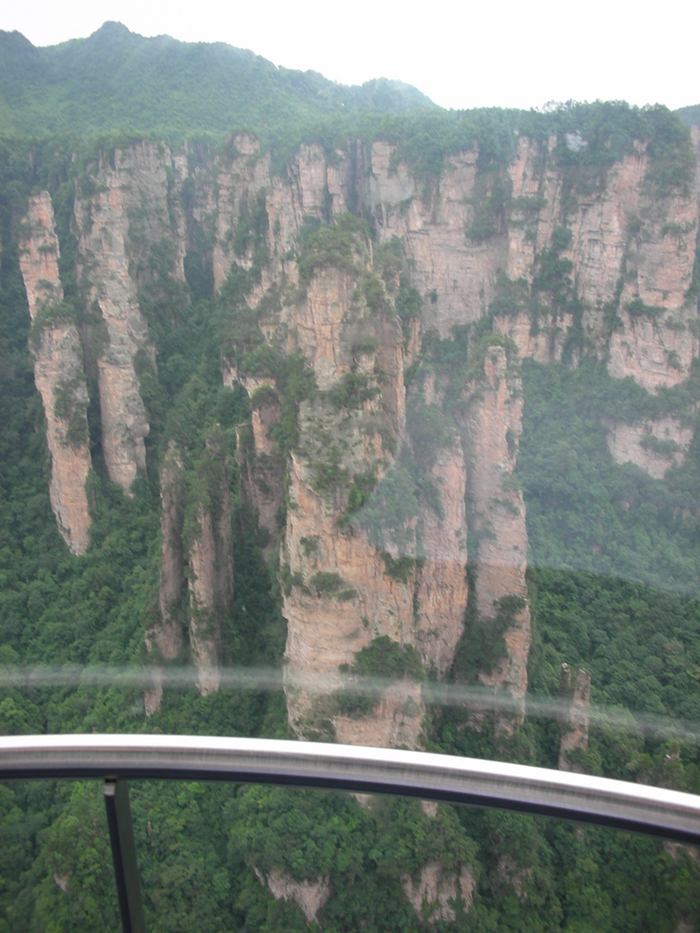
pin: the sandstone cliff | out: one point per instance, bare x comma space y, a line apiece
442, 592
575, 692
377, 316
496, 515
58, 373
436, 892
210, 561
164, 640
262, 467
654, 445
457, 273
340, 595
196, 560
127, 218
628, 251
309, 896
555, 261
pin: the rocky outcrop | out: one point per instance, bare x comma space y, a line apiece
536, 188
261, 465
563, 265
395, 722
630, 252
657, 340
322, 324
575, 693
197, 559
172, 576
253, 216
496, 515
58, 373
340, 559
678, 850
602, 225
262, 471
442, 590
232, 201
435, 893
453, 272
517, 875
164, 640
62, 881
210, 561
309, 896
543, 343
655, 348
339, 598
129, 226
654, 445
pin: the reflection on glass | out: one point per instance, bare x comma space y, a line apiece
372, 424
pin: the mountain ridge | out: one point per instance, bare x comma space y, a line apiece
117, 78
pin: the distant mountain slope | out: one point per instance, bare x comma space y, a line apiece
690, 115
116, 79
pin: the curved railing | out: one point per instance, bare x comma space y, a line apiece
114, 758
348, 767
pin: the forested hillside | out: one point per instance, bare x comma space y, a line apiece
117, 80
390, 393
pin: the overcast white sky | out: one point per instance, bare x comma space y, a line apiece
495, 53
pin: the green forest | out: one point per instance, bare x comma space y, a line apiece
613, 555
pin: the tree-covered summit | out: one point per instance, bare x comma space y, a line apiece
116, 79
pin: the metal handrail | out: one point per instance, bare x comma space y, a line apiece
621, 804
114, 758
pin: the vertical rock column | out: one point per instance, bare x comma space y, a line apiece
442, 591
122, 210
210, 557
658, 340
58, 373
498, 518
338, 596
164, 640
575, 691
454, 272
196, 548
260, 463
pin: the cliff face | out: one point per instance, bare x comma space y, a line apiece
127, 218
340, 596
658, 340
196, 574
309, 896
392, 460
262, 468
165, 638
456, 273
441, 592
436, 891
377, 320
654, 445
210, 585
172, 577
628, 249
575, 691
496, 513
58, 373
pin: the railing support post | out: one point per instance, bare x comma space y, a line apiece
121, 837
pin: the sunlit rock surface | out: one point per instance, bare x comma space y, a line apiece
58, 372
